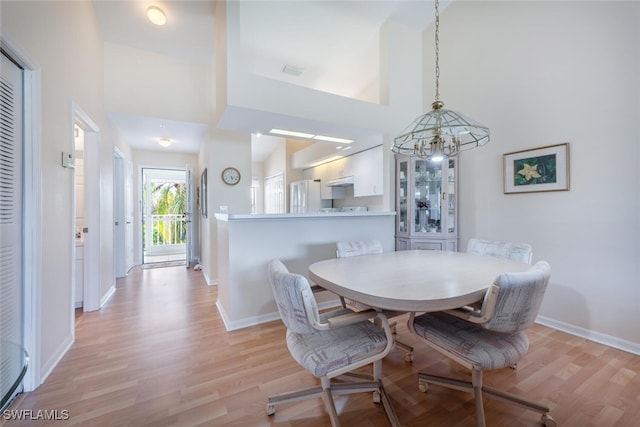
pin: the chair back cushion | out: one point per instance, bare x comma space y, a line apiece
290, 291
519, 299
356, 248
520, 252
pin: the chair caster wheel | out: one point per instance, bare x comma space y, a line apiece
271, 409
423, 387
548, 421
408, 357
376, 397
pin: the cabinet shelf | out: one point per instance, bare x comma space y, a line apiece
426, 203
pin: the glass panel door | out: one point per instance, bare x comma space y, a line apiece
403, 196
451, 197
428, 188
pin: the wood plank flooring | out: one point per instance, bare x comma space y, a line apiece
158, 355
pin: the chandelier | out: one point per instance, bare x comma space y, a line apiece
440, 133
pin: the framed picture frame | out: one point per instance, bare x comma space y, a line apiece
537, 169
203, 193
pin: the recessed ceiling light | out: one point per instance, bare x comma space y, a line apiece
165, 142
156, 15
291, 133
333, 139
311, 136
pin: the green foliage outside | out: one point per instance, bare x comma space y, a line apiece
168, 198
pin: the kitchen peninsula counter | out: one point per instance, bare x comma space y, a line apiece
247, 242
311, 215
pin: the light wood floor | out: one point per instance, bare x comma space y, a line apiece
158, 355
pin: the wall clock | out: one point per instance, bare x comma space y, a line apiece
231, 176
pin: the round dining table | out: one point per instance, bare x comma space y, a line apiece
415, 280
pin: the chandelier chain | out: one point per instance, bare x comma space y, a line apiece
437, 98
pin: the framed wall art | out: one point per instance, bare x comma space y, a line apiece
537, 169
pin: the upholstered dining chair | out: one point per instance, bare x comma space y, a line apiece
490, 338
367, 247
520, 252
330, 345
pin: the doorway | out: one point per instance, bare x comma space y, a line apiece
122, 214
87, 228
165, 217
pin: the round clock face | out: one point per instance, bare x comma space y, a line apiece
231, 176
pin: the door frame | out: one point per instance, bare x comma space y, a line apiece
188, 174
32, 172
92, 211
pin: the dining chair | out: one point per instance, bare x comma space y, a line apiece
368, 247
330, 345
492, 337
520, 252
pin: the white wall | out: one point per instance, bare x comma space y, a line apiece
223, 149
163, 87
541, 73
64, 39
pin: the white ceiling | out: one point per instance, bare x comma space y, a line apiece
143, 133
318, 36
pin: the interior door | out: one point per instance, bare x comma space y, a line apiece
11, 222
128, 208
119, 217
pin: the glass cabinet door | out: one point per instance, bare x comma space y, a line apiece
450, 202
427, 198
426, 204
403, 196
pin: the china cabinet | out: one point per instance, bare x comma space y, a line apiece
426, 204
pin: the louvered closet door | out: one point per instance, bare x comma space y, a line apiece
11, 277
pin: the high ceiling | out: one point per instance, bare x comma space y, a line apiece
318, 37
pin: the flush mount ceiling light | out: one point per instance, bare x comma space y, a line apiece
440, 133
165, 142
156, 15
311, 136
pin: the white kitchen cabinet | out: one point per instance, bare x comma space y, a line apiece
325, 173
327, 192
426, 204
367, 169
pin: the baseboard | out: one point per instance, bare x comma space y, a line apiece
107, 296
608, 340
48, 367
263, 318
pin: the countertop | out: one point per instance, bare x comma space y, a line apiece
311, 215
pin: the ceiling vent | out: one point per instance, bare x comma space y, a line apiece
291, 70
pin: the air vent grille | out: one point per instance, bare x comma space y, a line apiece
291, 70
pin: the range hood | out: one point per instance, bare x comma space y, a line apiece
341, 182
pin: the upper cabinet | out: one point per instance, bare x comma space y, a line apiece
367, 169
426, 204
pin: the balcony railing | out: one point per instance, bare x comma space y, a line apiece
165, 234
